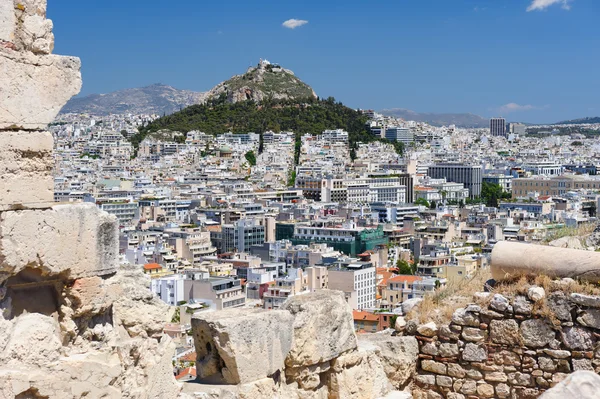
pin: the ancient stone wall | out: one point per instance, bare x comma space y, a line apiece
308, 349
513, 347
73, 322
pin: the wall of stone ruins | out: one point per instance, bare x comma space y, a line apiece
73, 322
511, 348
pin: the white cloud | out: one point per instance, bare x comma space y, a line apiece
514, 107
538, 5
294, 23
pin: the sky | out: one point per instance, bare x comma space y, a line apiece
527, 60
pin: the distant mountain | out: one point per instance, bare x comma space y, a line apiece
155, 99
262, 82
460, 120
589, 119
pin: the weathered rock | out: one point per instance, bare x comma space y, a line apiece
536, 293
579, 385
473, 334
73, 240
398, 356
558, 354
582, 364
590, 318
409, 304
502, 391
26, 170
536, 333
500, 303
433, 366
456, 370
448, 350
34, 340
7, 21
577, 338
586, 300
428, 330
226, 347
560, 305
505, 332
400, 324
474, 353
464, 318
521, 305
485, 390
358, 374
35, 87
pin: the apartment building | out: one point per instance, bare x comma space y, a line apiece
357, 280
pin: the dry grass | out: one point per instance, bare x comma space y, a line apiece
583, 230
439, 305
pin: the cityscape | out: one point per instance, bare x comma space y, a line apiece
260, 240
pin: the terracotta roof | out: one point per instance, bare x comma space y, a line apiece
190, 371
359, 315
189, 357
152, 266
402, 278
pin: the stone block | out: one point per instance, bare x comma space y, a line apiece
474, 353
579, 385
7, 21
505, 332
241, 345
398, 356
537, 333
358, 374
35, 88
26, 170
323, 327
75, 240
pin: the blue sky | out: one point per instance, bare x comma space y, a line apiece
488, 57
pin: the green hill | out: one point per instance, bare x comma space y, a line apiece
299, 116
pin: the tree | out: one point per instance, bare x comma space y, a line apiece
491, 193
404, 267
251, 158
422, 201
432, 205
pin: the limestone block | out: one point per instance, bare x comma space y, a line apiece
75, 240
242, 345
323, 327
579, 385
358, 374
514, 259
398, 355
34, 88
34, 340
536, 333
7, 21
26, 170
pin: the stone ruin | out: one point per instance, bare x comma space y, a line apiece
73, 323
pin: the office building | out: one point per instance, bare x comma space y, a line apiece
469, 175
498, 127
401, 134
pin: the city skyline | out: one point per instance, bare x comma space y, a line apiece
526, 64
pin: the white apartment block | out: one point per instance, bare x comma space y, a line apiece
358, 281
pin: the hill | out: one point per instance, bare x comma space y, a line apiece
155, 99
300, 116
460, 120
262, 82
589, 119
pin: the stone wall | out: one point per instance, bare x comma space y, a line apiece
509, 348
73, 322
308, 349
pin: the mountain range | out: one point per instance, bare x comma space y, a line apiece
460, 120
262, 82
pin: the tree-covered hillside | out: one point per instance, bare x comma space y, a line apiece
306, 116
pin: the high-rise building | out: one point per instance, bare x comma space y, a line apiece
469, 175
498, 127
402, 134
